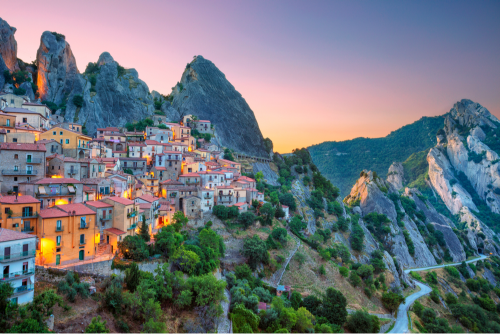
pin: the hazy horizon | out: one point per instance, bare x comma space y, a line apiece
311, 72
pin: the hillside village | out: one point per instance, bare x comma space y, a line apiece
167, 222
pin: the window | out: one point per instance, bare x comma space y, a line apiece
54, 133
83, 223
25, 120
28, 157
60, 133
15, 178
59, 226
58, 259
16, 156
67, 141
16, 168
58, 240
61, 141
82, 239
8, 122
14, 140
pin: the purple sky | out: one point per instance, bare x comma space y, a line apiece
311, 70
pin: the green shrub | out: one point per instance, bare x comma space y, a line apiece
78, 101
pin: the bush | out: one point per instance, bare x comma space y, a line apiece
132, 277
363, 322
391, 300
354, 279
133, 248
246, 218
344, 271
452, 271
97, 326
78, 101
256, 250
450, 298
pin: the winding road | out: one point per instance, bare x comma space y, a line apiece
401, 325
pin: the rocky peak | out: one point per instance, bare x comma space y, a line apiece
105, 58
396, 175
8, 46
205, 92
58, 74
468, 114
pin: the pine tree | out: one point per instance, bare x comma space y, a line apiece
143, 230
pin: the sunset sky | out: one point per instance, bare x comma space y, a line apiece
311, 71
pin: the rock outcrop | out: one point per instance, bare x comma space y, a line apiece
396, 175
58, 75
8, 47
117, 97
205, 92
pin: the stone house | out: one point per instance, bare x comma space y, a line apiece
191, 179
52, 146
13, 100
137, 165
171, 161
205, 154
207, 199
192, 207
136, 149
230, 164
212, 179
25, 116
224, 195
21, 163
101, 187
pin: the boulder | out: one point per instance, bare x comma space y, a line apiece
8, 47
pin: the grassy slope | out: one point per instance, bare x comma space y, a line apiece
375, 154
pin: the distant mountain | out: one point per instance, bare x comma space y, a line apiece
341, 162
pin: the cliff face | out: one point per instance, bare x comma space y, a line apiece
58, 75
111, 96
8, 46
395, 176
205, 92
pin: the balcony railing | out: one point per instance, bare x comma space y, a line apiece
83, 242
28, 229
188, 183
208, 197
17, 256
34, 161
131, 227
19, 172
106, 218
59, 228
27, 215
73, 171
83, 226
17, 274
57, 192
132, 214
23, 289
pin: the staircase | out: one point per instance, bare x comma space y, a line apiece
103, 249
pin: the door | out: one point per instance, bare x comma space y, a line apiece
29, 170
28, 158
107, 239
6, 272
25, 267
81, 255
7, 253
58, 259
25, 249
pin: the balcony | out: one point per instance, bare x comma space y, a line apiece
132, 227
28, 229
132, 214
27, 215
105, 218
85, 147
34, 161
83, 226
17, 256
19, 172
73, 171
56, 192
59, 228
189, 183
83, 242
23, 289
208, 197
18, 274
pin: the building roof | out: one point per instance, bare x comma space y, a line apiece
9, 235
79, 209
190, 175
53, 213
109, 128
22, 111
63, 180
12, 199
148, 198
172, 182
240, 204
46, 141
78, 133
145, 206
23, 147
228, 161
98, 204
121, 200
131, 159
115, 231
137, 143
152, 142
246, 178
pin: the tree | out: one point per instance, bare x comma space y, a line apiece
29, 325
259, 176
365, 271
354, 279
296, 300
334, 307
297, 225
144, 231
97, 326
391, 300
256, 250
228, 155
344, 271
362, 322
179, 220
279, 213
304, 320
132, 277
244, 321
288, 200
152, 326
6, 291
342, 224
186, 260
280, 234
78, 101
166, 241
267, 212
247, 219
207, 289
220, 211
133, 248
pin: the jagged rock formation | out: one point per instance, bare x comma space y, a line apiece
205, 92
8, 46
395, 176
58, 75
372, 194
117, 97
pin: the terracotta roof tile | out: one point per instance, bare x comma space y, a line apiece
23, 147
115, 231
63, 180
9, 235
148, 198
20, 199
121, 200
79, 208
